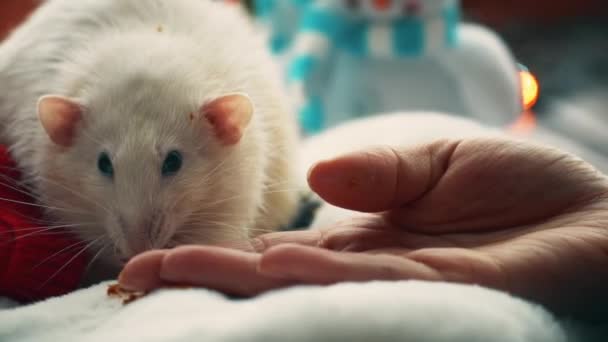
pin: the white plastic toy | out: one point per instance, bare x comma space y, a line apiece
353, 58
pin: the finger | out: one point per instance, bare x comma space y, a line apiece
305, 237
319, 266
230, 271
380, 178
350, 234
142, 273
472, 184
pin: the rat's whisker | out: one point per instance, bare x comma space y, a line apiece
221, 166
16, 186
84, 249
76, 193
196, 222
97, 255
211, 172
244, 195
32, 219
44, 228
37, 232
91, 138
63, 250
198, 185
211, 214
37, 205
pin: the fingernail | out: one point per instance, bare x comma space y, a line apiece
131, 281
142, 273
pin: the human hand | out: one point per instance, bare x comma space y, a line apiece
512, 216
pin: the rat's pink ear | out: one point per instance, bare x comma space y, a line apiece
59, 116
229, 116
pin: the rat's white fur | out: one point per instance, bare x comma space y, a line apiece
140, 67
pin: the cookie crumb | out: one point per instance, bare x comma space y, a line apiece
127, 296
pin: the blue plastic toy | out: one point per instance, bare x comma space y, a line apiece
281, 18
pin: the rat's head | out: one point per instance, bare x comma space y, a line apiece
387, 10
144, 164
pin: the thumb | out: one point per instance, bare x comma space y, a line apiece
459, 185
380, 178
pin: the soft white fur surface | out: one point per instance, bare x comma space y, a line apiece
380, 311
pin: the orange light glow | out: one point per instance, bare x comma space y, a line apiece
529, 88
525, 124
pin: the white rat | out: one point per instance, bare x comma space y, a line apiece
146, 124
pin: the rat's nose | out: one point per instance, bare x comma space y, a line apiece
139, 232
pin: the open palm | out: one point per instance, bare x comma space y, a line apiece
508, 215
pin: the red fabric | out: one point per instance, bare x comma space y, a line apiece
31, 261
6, 248
500, 13
12, 12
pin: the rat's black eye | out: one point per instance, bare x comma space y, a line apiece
104, 164
172, 163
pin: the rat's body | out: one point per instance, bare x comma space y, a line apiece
139, 77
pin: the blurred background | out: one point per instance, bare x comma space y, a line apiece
564, 43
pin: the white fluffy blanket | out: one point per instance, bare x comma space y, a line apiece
380, 311
405, 311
